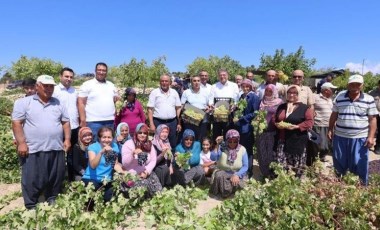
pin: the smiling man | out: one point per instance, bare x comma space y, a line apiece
352, 128
40, 124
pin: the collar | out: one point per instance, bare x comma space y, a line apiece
360, 97
163, 92
36, 97
61, 86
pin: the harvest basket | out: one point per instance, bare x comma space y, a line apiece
192, 120
222, 117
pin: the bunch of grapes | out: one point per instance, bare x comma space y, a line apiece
142, 158
260, 122
110, 157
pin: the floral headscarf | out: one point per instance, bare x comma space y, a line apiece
270, 100
298, 90
145, 145
186, 134
232, 153
81, 133
118, 131
157, 141
130, 105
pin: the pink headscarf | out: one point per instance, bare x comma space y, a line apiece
232, 153
270, 100
157, 141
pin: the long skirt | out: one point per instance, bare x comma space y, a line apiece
295, 162
221, 184
265, 153
195, 174
163, 173
151, 183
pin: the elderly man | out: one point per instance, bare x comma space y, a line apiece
96, 101
322, 111
352, 128
306, 95
40, 124
250, 76
375, 93
271, 78
164, 107
238, 81
227, 91
68, 96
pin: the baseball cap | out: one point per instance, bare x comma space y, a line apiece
356, 79
328, 85
46, 79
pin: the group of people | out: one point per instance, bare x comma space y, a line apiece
97, 139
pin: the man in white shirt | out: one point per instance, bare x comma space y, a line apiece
67, 95
227, 91
271, 78
164, 107
96, 101
204, 80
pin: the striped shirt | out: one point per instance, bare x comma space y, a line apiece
322, 108
352, 119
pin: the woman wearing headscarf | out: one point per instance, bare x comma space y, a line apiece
139, 158
265, 141
161, 143
132, 111
232, 166
291, 139
243, 125
196, 173
80, 158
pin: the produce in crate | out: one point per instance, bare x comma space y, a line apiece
191, 113
221, 110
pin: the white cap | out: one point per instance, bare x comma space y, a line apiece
46, 80
328, 85
356, 78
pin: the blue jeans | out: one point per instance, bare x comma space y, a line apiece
96, 125
351, 154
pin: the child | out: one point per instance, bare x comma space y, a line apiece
80, 158
208, 150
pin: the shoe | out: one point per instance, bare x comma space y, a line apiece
377, 151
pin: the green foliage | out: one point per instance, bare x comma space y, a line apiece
6, 106
370, 81
137, 72
5, 200
213, 64
174, 208
33, 67
287, 63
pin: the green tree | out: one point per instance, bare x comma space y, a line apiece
213, 64
137, 73
287, 63
33, 67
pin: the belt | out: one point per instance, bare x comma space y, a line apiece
165, 120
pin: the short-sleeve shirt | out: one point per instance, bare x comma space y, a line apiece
198, 99
228, 89
68, 97
42, 122
100, 104
164, 104
306, 96
207, 87
323, 109
352, 119
104, 169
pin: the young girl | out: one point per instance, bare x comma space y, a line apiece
102, 160
80, 158
207, 162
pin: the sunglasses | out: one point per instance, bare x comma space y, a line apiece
145, 133
297, 76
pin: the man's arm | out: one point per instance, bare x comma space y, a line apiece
371, 131
18, 131
178, 113
150, 117
67, 135
333, 118
81, 102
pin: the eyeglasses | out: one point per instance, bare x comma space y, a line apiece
297, 76
145, 133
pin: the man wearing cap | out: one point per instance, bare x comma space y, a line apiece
40, 124
352, 128
322, 111
96, 100
68, 95
375, 93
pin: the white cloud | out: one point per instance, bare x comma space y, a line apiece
359, 67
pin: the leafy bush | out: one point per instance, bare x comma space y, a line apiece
6, 106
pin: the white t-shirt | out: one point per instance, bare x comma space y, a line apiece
100, 104
164, 103
229, 89
68, 97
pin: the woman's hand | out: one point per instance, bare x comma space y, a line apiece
219, 139
235, 180
119, 138
171, 171
137, 151
144, 174
106, 149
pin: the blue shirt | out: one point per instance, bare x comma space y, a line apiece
195, 151
244, 123
104, 170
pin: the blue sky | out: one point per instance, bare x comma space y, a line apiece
80, 33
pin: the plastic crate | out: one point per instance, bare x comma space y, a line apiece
192, 120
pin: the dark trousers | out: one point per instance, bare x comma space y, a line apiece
96, 125
247, 140
200, 131
220, 129
172, 124
378, 133
69, 154
42, 171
